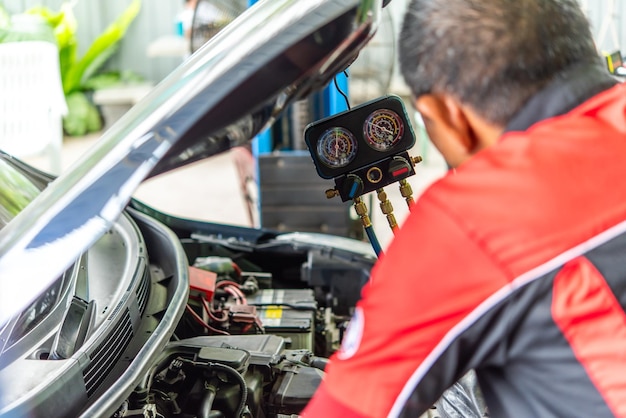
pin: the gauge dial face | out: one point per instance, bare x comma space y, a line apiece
383, 128
336, 147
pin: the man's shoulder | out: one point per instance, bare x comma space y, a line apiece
539, 192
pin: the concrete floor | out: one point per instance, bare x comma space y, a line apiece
209, 190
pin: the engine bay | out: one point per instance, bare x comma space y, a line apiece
261, 320
264, 314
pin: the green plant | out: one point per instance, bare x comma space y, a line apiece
15, 192
4, 22
76, 72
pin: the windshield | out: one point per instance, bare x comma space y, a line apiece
16, 192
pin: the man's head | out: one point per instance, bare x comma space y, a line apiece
473, 64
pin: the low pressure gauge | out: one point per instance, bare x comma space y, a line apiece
336, 147
382, 129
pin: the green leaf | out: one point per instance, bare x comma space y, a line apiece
64, 26
48, 15
65, 32
4, 18
94, 120
101, 49
112, 79
82, 116
103, 81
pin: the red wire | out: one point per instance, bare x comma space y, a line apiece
226, 283
235, 285
237, 269
234, 294
210, 312
241, 295
200, 321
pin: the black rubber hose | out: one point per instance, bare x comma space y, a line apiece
319, 363
207, 402
242, 384
230, 371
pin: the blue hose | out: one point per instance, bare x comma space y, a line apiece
373, 240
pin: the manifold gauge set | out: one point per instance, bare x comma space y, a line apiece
363, 150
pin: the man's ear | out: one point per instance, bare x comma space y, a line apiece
448, 127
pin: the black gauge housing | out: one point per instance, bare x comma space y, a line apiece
358, 121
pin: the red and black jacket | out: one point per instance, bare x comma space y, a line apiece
515, 266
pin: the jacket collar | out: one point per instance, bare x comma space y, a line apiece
568, 90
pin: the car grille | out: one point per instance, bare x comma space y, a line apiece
107, 354
143, 292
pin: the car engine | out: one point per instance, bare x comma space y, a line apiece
260, 322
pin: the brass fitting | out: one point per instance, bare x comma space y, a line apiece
407, 192
416, 160
330, 193
361, 210
387, 208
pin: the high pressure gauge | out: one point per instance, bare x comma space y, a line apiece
382, 129
336, 147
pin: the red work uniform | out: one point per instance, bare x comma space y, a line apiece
514, 266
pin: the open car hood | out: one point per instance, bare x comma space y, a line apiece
274, 53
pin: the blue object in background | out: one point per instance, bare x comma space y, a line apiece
327, 102
334, 102
262, 143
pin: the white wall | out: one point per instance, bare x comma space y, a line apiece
608, 22
157, 19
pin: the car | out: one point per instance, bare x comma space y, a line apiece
111, 308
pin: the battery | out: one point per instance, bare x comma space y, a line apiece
289, 313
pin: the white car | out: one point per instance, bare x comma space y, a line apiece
100, 313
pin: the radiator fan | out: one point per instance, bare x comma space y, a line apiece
211, 16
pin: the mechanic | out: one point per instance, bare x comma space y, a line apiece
514, 263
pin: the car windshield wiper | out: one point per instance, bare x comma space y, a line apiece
78, 317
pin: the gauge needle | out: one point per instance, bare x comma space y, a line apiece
382, 128
336, 148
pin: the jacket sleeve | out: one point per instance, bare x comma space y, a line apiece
399, 353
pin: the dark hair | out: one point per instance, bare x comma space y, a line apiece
492, 55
